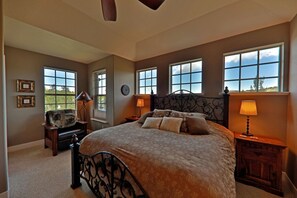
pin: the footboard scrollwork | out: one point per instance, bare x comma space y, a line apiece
105, 174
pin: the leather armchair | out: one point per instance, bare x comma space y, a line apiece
59, 127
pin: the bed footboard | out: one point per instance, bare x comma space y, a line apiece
105, 174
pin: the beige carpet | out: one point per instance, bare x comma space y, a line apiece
35, 173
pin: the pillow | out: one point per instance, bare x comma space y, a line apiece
171, 124
144, 116
161, 112
152, 122
197, 125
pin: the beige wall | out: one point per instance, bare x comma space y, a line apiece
119, 71
292, 107
3, 129
212, 57
24, 124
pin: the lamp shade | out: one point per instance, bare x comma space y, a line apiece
248, 107
83, 96
140, 102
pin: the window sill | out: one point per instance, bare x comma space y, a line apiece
99, 120
260, 94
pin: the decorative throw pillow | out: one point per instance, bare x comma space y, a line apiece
197, 125
152, 122
143, 117
161, 112
171, 124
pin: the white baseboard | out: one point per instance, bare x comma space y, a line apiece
4, 195
25, 145
290, 185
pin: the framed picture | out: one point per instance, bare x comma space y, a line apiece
25, 85
25, 101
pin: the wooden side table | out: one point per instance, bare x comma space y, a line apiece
259, 162
132, 119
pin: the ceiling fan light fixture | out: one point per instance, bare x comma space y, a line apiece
153, 4
109, 10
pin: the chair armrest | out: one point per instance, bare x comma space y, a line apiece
49, 127
82, 122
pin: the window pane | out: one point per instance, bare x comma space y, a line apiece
70, 99
186, 87
49, 100
141, 75
102, 107
49, 80
154, 73
70, 106
70, 75
60, 99
141, 90
148, 74
154, 88
268, 70
196, 77
49, 107
249, 72
247, 85
249, 58
70, 82
49, 89
148, 82
175, 79
197, 66
232, 85
185, 78
148, 90
142, 83
175, 69
269, 55
232, 61
196, 88
175, 88
154, 81
185, 68
268, 84
61, 106
49, 72
60, 81
231, 74
70, 90
61, 90
60, 74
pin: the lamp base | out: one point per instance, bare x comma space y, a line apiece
247, 134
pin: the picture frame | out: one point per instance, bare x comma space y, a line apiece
25, 101
25, 85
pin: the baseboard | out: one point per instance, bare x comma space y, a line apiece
4, 195
290, 185
25, 145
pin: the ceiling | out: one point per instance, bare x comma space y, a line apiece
75, 29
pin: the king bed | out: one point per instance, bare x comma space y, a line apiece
159, 155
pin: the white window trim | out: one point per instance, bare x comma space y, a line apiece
94, 89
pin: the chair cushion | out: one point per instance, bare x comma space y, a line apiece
61, 118
69, 134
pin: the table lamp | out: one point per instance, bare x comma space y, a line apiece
140, 104
85, 98
248, 108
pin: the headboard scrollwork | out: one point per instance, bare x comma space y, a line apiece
216, 108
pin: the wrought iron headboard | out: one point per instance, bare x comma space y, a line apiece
216, 108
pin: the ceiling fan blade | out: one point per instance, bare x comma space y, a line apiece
153, 4
109, 10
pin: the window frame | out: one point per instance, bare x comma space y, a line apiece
180, 74
96, 87
56, 85
280, 61
151, 86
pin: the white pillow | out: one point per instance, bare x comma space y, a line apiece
171, 124
152, 122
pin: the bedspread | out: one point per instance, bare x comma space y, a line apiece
168, 164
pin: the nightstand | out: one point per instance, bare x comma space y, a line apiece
132, 119
259, 162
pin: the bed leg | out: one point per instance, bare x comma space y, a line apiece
75, 166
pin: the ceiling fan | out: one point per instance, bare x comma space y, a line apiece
110, 12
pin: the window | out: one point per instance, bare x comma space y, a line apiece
59, 89
100, 90
147, 81
186, 75
256, 70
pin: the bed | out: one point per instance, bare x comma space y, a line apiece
131, 161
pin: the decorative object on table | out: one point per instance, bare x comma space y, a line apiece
125, 90
140, 104
25, 101
248, 108
25, 85
85, 98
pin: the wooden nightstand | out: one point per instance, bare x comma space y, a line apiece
259, 162
132, 119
